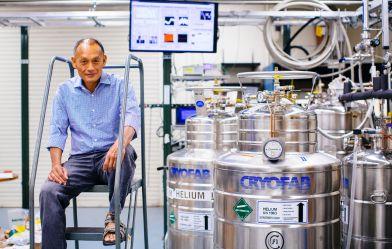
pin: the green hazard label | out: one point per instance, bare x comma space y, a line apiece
172, 217
242, 209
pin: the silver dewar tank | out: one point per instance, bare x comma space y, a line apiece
333, 118
190, 179
269, 196
372, 220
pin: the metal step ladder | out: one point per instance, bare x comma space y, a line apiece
77, 233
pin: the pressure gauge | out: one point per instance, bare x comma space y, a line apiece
273, 149
260, 97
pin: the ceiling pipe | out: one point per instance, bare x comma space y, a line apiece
114, 3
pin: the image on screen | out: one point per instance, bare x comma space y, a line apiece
173, 26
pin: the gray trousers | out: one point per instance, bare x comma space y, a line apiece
84, 171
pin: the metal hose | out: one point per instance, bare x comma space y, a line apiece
323, 51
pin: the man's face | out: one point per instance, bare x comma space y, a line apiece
89, 61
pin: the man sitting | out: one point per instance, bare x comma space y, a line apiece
90, 106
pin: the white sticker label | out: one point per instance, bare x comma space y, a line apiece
186, 194
344, 212
282, 212
166, 94
195, 221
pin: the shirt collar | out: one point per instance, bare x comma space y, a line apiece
103, 80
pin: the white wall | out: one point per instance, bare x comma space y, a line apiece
10, 115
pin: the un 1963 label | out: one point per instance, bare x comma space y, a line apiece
190, 195
282, 212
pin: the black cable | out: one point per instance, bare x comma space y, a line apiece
300, 48
299, 31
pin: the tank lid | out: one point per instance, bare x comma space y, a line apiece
284, 108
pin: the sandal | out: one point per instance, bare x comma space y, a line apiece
112, 230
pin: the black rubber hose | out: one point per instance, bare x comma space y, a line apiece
300, 48
299, 31
387, 94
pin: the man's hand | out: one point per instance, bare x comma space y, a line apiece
111, 157
58, 174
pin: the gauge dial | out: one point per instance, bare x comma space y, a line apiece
273, 149
260, 97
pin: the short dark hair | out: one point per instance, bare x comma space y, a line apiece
90, 42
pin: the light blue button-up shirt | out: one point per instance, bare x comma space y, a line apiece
93, 118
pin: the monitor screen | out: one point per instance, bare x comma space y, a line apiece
171, 26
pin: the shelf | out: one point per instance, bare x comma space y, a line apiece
251, 65
199, 78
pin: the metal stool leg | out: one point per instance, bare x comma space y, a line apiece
75, 218
133, 218
128, 218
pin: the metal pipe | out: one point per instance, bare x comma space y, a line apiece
126, 2
115, 15
365, 19
117, 205
385, 24
143, 151
133, 223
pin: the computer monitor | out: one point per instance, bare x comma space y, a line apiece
172, 26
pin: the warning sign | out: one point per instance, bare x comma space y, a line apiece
242, 209
282, 212
190, 221
172, 217
189, 195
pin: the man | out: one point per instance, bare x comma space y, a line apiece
90, 106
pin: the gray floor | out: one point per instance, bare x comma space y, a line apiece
96, 216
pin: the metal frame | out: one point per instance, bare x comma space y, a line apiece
24, 65
127, 66
121, 18
167, 123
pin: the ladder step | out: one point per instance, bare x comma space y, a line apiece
86, 233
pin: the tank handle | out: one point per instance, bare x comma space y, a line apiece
378, 197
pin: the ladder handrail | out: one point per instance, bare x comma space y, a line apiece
127, 67
39, 139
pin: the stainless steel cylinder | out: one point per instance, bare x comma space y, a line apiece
292, 203
372, 223
336, 121
296, 127
190, 179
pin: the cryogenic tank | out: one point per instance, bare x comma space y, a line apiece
372, 217
190, 180
277, 191
334, 119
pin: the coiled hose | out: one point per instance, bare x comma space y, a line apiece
314, 59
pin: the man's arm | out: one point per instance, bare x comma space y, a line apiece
111, 156
131, 128
58, 173
58, 135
